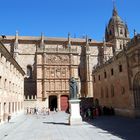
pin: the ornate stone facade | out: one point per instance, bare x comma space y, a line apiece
11, 85
49, 63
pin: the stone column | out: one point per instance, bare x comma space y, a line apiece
89, 78
71, 69
58, 102
43, 81
47, 102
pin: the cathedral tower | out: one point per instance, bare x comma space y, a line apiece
117, 32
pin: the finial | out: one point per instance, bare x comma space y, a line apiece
16, 36
69, 43
87, 43
68, 34
115, 13
113, 1
135, 32
103, 39
16, 41
86, 40
104, 42
42, 35
42, 41
16, 33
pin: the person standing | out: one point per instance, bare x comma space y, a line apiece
9, 117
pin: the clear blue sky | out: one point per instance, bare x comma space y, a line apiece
56, 18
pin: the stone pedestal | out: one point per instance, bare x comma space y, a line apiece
75, 117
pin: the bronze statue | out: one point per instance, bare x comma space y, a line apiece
73, 88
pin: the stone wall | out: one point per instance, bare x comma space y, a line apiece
113, 81
11, 85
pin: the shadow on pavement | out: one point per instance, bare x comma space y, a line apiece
11, 122
125, 128
57, 123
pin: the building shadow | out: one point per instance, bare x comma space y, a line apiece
56, 123
125, 128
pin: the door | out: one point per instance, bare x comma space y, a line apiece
64, 103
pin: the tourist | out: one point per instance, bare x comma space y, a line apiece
9, 117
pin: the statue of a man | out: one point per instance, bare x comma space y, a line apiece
73, 88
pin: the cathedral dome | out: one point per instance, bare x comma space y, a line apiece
115, 18
116, 27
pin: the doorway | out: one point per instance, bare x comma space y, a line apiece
52, 102
64, 103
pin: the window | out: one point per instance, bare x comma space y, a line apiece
105, 74
9, 85
122, 90
99, 77
5, 83
102, 93
4, 107
29, 71
94, 78
121, 31
112, 91
120, 46
112, 72
13, 87
120, 68
125, 33
9, 107
106, 92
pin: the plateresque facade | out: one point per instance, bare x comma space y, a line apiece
49, 63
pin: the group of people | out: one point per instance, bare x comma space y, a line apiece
90, 113
108, 110
35, 110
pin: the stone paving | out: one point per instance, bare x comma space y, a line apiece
55, 127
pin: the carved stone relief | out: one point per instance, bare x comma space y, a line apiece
57, 59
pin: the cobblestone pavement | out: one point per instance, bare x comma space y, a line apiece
55, 127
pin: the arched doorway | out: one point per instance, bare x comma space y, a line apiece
64, 103
52, 102
136, 90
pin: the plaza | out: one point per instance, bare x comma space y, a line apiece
64, 81
55, 127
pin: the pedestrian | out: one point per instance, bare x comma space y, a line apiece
35, 111
48, 111
89, 114
97, 112
9, 117
27, 110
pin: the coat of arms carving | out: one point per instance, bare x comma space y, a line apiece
57, 59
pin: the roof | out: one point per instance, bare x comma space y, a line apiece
55, 40
8, 57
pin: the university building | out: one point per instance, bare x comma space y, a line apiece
49, 63
11, 85
107, 71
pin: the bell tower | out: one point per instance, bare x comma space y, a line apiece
116, 32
